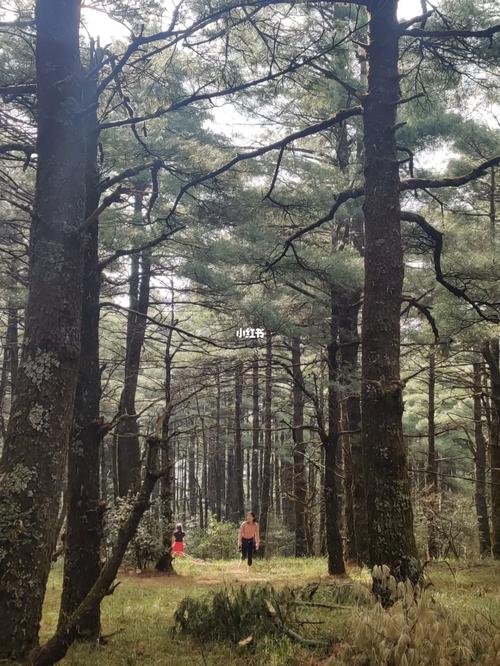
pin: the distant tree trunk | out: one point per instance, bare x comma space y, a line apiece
349, 338
299, 450
480, 463
330, 445
277, 483
490, 353
287, 490
82, 544
255, 436
266, 466
34, 454
218, 464
167, 460
235, 475
432, 471
350, 547
390, 515
10, 363
192, 482
127, 431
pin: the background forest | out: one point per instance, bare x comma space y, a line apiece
249, 259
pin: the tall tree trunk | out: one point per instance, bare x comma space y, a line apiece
239, 505
432, 471
480, 464
35, 449
84, 513
491, 355
349, 338
330, 444
167, 458
299, 450
219, 456
266, 465
255, 436
127, 431
8, 379
390, 515
192, 481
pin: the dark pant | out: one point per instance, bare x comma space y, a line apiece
247, 548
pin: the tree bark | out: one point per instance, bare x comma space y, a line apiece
480, 494
127, 431
390, 515
299, 450
432, 466
82, 543
167, 458
34, 455
490, 353
330, 444
349, 338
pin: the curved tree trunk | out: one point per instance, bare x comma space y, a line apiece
390, 515
34, 455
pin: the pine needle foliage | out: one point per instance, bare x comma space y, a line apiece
234, 614
417, 630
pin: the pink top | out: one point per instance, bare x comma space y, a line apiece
249, 531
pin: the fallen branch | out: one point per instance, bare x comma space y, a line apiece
275, 619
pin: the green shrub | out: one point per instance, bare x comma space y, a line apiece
219, 541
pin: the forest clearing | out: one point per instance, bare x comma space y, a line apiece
250, 332
142, 612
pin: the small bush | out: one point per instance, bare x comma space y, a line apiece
219, 541
233, 614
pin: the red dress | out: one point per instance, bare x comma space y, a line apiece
178, 547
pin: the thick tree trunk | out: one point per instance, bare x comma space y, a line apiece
299, 450
390, 515
34, 455
127, 431
255, 436
432, 466
85, 510
480, 464
490, 352
266, 466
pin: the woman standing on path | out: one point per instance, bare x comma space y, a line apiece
178, 541
249, 539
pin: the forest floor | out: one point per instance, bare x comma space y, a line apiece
139, 615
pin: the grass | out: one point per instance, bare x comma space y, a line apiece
139, 614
